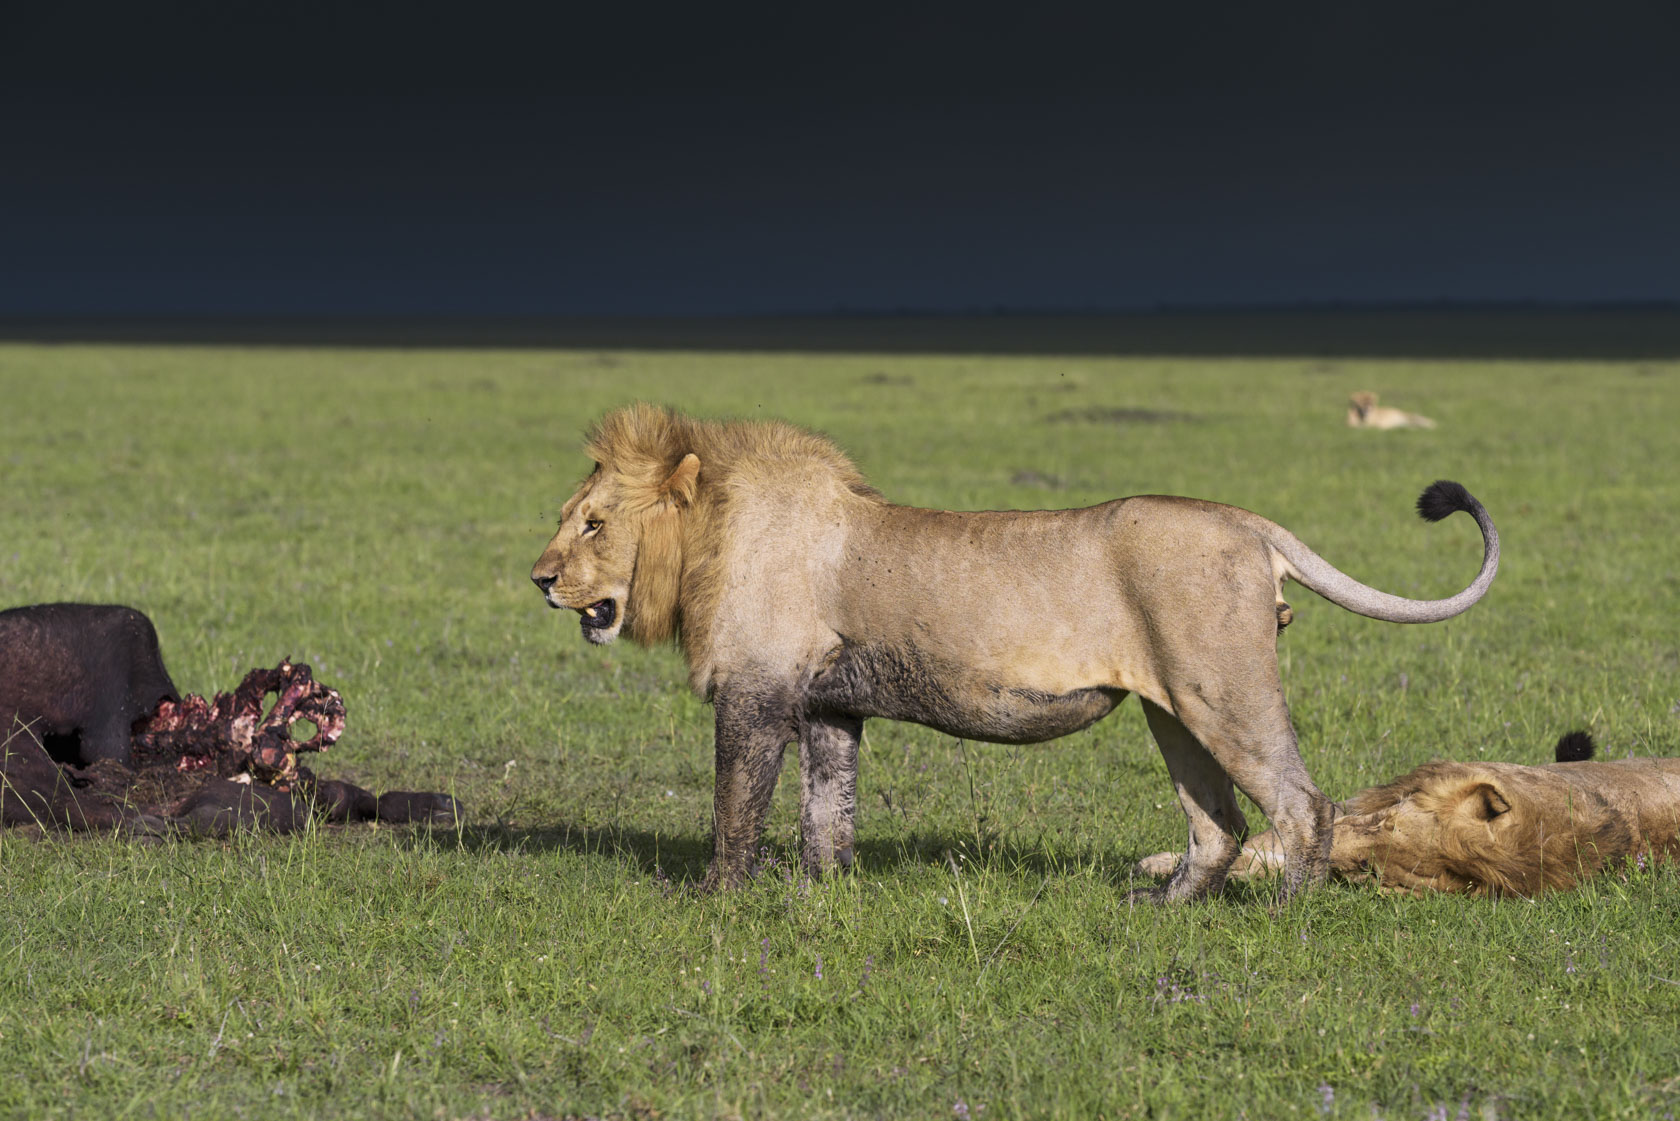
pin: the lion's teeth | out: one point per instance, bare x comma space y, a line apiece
589, 611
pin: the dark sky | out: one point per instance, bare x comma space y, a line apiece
483, 160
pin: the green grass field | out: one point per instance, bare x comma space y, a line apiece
376, 512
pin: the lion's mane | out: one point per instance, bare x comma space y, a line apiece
680, 573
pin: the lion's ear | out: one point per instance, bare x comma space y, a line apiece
679, 488
1486, 802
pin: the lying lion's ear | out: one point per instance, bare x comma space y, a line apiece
1486, 802
679, 488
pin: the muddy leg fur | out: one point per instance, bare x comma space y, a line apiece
828, 747
754, 726
1217, 826
1256, 746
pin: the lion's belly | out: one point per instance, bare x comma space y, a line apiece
906, 684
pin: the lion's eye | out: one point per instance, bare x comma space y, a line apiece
593, 525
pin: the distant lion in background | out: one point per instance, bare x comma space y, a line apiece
1492, 828
1364, 412
805, 602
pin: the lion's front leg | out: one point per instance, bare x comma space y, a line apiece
754, 725
828, 753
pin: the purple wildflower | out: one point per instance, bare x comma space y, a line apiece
1327, 1097
961, 1109
819, 967
1169, 991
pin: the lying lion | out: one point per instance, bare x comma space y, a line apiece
1492, 828
805, 602
1364, 412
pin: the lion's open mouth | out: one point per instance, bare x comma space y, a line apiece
599, 615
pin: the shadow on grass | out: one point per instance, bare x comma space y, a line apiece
683, 858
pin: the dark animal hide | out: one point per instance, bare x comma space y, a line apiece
77, 676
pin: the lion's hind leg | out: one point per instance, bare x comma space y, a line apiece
1255, 745
1204, 789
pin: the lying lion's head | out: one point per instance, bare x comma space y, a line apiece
1360, 406
1480, 827
617, 555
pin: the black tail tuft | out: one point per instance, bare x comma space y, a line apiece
1441, 498
1575, 747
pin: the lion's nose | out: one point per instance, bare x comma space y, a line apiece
543, 583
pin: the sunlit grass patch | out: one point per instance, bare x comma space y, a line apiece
547, 958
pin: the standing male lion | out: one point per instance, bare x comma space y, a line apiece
805, 602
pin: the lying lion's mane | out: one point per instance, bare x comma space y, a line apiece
1538, 843
678, 581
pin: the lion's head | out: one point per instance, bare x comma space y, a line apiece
1359, 408
1481, 827
639, 545
616, 558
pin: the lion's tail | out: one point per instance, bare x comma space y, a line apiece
1437, 501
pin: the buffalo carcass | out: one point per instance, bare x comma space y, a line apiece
95, 736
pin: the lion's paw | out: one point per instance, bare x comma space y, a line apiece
1161, 864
